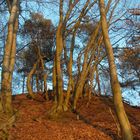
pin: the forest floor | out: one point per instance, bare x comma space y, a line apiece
95, 121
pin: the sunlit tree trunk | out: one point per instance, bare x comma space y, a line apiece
1, 107
9, 57
121, 115
90, 48
80, 85
29, 77
69, 67
59, 81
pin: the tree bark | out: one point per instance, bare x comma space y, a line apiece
45, 86
1, 107
29, 77
69, 67
121, 115
98, 81
54, 82
23, 84
9, 58
59, 81
91, 48
37, 83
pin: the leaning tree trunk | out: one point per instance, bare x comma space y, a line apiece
90, 47
29, 77
9, 58
121, 115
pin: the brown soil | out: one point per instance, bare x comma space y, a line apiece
95, 121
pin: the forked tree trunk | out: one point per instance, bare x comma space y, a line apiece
43, 85
121, 115
9, 58
79, 88
86, 64
85, 69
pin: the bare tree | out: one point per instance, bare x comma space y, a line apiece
122, 117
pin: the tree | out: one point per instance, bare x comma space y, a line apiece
9, 57
122, 117
67, 25
40, 47
130, 66
129, 56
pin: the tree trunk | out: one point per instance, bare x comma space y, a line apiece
29, 77
98, 81
42, 85
54, 82
45, 86
91, 87
121, 115
37, 83
69, 68
59, 48
1, 107
23, 85
79, 87
9, 58
32, 82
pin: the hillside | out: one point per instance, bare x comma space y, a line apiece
95, 121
